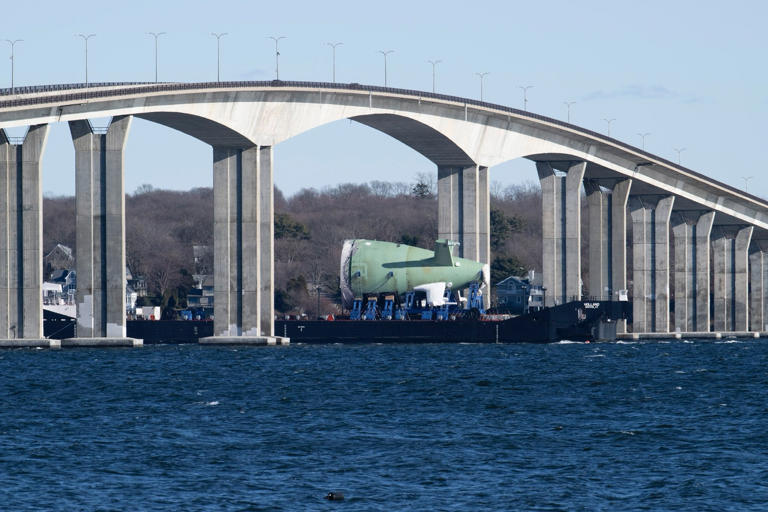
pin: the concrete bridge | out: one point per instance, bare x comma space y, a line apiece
705, 222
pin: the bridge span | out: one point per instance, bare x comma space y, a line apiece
677, 215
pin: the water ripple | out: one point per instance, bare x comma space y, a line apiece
571, 426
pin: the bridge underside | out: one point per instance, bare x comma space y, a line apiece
426, 140
206, 130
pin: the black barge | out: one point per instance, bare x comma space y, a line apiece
576, 321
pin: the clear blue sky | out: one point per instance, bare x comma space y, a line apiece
692, 73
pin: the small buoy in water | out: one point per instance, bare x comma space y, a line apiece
586, 341
334, 496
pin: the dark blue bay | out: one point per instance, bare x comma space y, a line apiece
647, 426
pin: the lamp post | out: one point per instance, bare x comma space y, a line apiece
679, 150
643, 136
385, 53
608, 122
568, 106
482, 76
746, 181
218, 53
525, 95
86, 38
434, 65
13, 43
155, 35
277, 55
333, 49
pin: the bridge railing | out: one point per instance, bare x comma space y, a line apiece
36, 89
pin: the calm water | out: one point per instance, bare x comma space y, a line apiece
650, 426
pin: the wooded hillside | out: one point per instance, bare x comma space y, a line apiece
310, 227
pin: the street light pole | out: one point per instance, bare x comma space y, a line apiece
434, 64
218, 53
333, 46
608, 122
13, 43
155, 35
679, 150
643, 136
746, 181
277, 55
525, 95
86, 38
385, 53
568, 106
482, 76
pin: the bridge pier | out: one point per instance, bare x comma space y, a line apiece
100, 234
607, 209
464, 215
691, 232
21, 233
243, 236
731, 293
619, 242
650, 262
561, 231
267, 240
684, 272
757, 269
463, 206
703, 285
599, 208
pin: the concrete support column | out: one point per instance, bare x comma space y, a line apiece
484, 217
722, 291
243, 244
464, 212
642, 237
650, 233
463, 203
469, 212
702, 246
448, 201
236, 242
684, 232
619, 200
756, 289
731, 294
741, 278
561, 231
267, 238
600, 211
662, 237
691, 232
21, 236
100, 230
